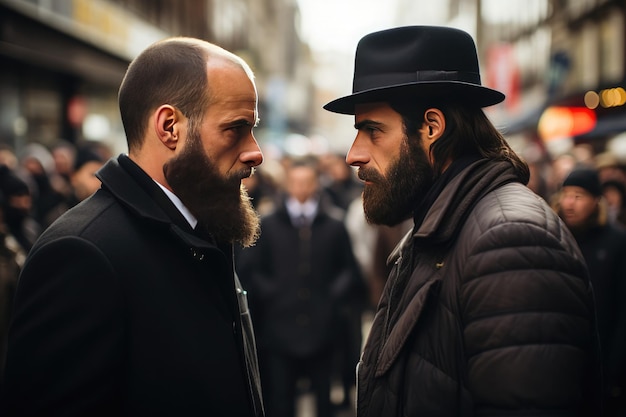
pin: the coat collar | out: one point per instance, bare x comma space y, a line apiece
451, 207
134, 189
131, 190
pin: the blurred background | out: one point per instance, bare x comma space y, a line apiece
561, 64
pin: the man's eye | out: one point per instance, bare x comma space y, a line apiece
239, 129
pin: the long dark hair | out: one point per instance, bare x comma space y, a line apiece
468, 131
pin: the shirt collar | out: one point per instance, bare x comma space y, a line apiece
297, 209
191, 219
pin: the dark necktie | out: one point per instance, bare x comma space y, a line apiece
301, 221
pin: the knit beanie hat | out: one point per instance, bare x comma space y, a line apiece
11, 184
85, 155
585, 178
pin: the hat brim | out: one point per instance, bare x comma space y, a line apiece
476, 95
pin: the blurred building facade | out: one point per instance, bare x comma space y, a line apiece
63, 61
561, 64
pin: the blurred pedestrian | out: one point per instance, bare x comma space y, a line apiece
263, 189
38, 166
83, 179
609, 167
488, 308
64, 155
7, 156
128, 305
363, 240
614, 192
12, 257
343, 188
300, 275
17, 208
603, 245
339, 181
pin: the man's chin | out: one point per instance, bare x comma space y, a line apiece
384, 214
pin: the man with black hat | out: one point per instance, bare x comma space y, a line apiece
582, 207
488, 309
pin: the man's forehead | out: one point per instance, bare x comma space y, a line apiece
229, 77
374, 111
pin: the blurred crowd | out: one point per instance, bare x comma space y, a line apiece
598, 225
38, 184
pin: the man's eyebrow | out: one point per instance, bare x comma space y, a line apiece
367, 122
244, 122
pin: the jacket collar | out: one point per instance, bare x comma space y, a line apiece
453, 204
449, 210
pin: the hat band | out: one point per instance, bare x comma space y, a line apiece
391, 79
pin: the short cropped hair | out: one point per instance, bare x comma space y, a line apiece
172, 71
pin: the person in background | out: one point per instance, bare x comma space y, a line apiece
129, 305
17, 208
609, 167
488, 309
338, 181
299, 276
38, 167
584, 210
83, 179
263, 187
7, 156
64, 156
340, 184
614, 192
363, 240
12, 257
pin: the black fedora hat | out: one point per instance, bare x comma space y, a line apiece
414, 61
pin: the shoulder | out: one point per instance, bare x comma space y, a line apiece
513, 202
517, 211
86, 218
512, 226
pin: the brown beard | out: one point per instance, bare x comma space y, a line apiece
220, 204
391, 198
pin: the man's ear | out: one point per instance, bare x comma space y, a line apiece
434, 125
167, 125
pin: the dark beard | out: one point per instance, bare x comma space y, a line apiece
220, 204
391, 199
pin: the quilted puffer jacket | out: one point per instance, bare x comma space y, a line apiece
487, 311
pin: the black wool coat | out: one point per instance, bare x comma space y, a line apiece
121, 310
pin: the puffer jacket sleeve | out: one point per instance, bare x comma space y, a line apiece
526, 308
